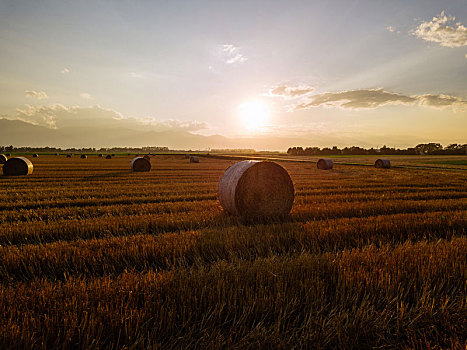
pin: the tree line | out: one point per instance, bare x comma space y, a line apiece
423, 148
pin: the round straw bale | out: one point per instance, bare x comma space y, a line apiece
194, 159
108, 156
140, 164
187, 156
17, 166
113, 155
68, 155
57, 154
8, 154
35, 156
147, 157
101, 155
383, 163
324, 164
83, 156
255, 189
3, 159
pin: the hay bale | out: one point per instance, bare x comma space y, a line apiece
3, 159
8, 154
383, 163
324, 164
35, 156
113, 155
17, 166
83, 156
187, 156
140, 164
68, 155
147, 157
256, 189
101, 155
57, 154
108, 156
194, 159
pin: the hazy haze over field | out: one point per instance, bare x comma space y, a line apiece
254, 74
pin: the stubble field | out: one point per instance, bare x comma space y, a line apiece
95, 256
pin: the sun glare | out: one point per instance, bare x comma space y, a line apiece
254, 115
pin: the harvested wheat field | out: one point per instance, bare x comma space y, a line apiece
93, 255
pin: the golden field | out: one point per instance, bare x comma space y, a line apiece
95, 256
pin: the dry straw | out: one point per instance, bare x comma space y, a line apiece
383, 163
194, 159
140, 164
83, 156
324, 164
18, 166
3, 159
256, 189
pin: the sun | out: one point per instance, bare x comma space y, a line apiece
253, 115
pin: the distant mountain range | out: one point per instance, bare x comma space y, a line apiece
19, 133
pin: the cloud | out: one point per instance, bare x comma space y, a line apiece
40, 95
135, 75
443, 30
289, 92
59, 116
65, 71
232, 55
441, 101
355, 99
374, 98
86, 96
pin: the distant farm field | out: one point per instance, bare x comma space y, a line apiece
95, 256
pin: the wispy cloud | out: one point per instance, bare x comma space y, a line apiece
135, 75
289, 92
232, 54
86, 96
39, 95
443, 30
374, 98
65, 71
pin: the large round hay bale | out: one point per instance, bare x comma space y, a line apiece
3, 159
147, 157
101, 156
383, 163
324, 164
194, 159
35, 156
140, 164
68, 155
83, 156
57, 154
17, 166
255, 189
108, 156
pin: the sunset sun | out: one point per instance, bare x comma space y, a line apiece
253, 115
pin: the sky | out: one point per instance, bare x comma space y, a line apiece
352, 72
